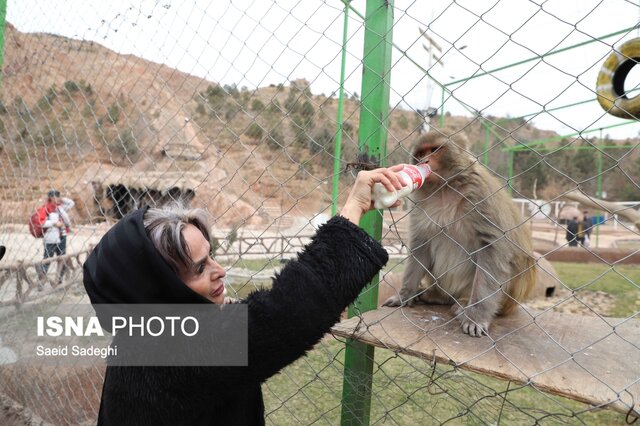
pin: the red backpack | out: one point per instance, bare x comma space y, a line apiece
37, 219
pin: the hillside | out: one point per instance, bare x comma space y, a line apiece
77, 116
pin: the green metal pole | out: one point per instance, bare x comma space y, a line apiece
599, 187
338, 139
372, 139
442, 108
486, 144
509, 184
3, 17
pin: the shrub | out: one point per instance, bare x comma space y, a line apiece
300, 127
231, 111
20, 106
257, 105
275, 139
87, 88
213, 92
254, 131
45, 102
114, 112
291, 104
125, 144
274, 106
307, 110
50, 133
87, 110
403, 123
232, 89
71, 86
347, 127
322, 139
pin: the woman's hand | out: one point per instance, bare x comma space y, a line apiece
359, 201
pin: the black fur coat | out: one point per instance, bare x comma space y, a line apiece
306, 299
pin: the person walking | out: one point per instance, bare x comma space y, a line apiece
572, 232
55, 229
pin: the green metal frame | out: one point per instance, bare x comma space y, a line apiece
445, 87
338, 145
3, 18
372, 139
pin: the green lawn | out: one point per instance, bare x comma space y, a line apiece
409, 391
621, 281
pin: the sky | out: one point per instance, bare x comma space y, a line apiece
256, 43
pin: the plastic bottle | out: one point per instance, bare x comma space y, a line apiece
413, 176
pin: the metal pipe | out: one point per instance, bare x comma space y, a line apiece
337, 152
372, 140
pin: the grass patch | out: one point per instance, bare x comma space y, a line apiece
622, 281
410, 391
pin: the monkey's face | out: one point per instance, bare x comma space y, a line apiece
445, 160
446, 156
431, 154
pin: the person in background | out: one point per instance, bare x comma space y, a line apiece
572, 232
63, 205
55, 229
587, 228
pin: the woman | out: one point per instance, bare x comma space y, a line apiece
162, 256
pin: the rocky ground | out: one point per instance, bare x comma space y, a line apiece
582, 303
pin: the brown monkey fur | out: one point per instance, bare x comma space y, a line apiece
467, 239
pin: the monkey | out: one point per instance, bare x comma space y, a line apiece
466, 238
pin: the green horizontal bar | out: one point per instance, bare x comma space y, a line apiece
566, 106
580, 148
557, 138
553, 52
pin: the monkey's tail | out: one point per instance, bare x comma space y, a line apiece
521, 285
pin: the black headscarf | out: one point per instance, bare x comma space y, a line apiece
126, 268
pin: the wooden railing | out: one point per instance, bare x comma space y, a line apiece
255, 247
26, 284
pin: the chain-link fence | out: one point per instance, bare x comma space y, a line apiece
262, 113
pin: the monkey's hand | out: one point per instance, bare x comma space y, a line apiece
393, 301
402, 299
474, 322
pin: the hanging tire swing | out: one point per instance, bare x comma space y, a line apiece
610, 83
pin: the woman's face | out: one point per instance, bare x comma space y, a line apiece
205, 277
